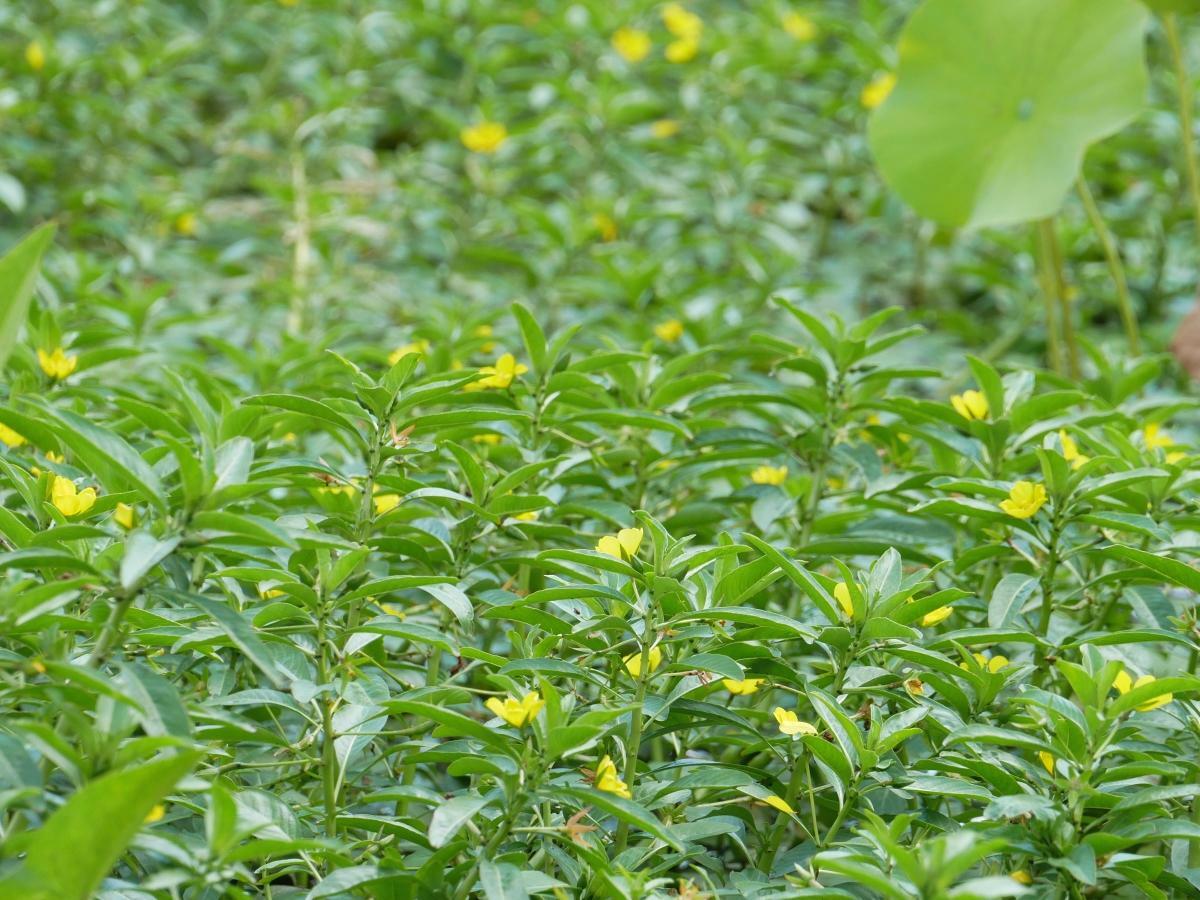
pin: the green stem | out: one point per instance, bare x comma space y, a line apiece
1115, 267
1047, 281
112, 629
634, 745
1186, 128
1064, 300
766, 858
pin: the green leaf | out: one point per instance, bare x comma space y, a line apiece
1008, 599
997, 101
1169, 569
102, 451
241, 632
501, 881
452, 815
626, 810
18, 275
71, 854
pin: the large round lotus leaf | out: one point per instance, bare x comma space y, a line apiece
997, 100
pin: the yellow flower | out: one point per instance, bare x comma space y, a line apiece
681, 23
35, 55
632, 43
484, 137
623, 546
748, 686
606, 225
665, 128
270, 593
1020, 876
769, 475
500, 375
914, 686
10, 437
393, 610
681, 51
878, 90
970, 405
418, 346
384, 503
530, 516
157, 811
669, 331
517, 713
1070, 450
633, 662
186, 223
790, 724
1024, 500
57, 364
993, 665
941, 614
841, 593
800, 27
1047, 759
607, 780
1124, 684
123, 515
490, 439
56, 458
288, 2
779, 803
68, 500
1156, 439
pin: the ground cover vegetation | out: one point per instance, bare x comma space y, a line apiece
590, 450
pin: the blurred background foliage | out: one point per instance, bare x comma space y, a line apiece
262, 167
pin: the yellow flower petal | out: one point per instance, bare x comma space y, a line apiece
1047, 759
971, 405
938, 615
632, 44
669, 331
780, 804
841, 593
607, 780
769, 475
1024, 499
747, 686
791, 724
484, 137
633, 662
800, 27
57, 364
879, 89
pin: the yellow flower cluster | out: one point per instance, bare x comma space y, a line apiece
669, 331
687, 27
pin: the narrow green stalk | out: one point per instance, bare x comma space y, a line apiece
1115, 268
1046, 281
1060, 290
111, 631
634, 744
329, 768
766, 858
1186, 127
302, 244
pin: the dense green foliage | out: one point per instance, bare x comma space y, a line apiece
492, 450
